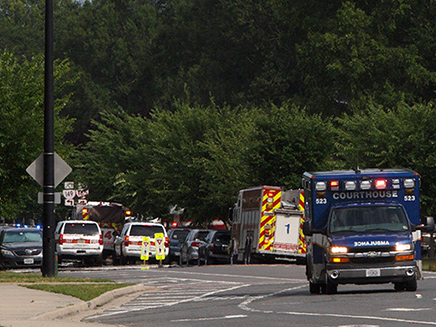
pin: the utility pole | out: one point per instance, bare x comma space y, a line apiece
48, 264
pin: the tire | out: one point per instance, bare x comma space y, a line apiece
115, 259
314, 288
412, 285
399, 287
330, 287
123, 259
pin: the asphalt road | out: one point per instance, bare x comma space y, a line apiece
259, 295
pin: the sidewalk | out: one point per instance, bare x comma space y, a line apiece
23, 307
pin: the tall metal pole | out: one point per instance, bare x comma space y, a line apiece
48, 264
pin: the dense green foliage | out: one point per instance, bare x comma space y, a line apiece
21, 129
186, 101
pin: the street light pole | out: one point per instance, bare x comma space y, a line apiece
48, 264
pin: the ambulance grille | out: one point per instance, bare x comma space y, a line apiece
372, 260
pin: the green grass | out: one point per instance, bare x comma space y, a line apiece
85, 292
83, 288
11, 277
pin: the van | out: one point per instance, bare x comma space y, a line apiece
127, 246
79, 240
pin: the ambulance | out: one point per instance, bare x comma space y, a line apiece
363, 227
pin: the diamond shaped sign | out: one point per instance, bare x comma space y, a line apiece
36, 169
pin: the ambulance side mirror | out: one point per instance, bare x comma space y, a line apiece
429, 224
427, 227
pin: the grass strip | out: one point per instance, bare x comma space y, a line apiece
12, 277
85, 292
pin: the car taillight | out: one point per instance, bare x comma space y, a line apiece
167, 242
100, 241
211, 246
61, 239
126, 241
196, 244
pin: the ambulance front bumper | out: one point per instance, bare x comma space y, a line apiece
373, 275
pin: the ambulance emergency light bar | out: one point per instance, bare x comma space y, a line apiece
377, 184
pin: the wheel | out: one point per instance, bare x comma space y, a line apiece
412, 285
123, 259
314, 288
399, 287
115, 258
330, 287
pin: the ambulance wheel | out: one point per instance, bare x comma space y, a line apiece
412, 285
399, 287
314, 288
330, 287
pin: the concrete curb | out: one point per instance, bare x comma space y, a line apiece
90, 305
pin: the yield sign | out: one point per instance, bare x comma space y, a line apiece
36, 169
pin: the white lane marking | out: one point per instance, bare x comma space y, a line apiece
193, 299
418, 296
211, 318
359, 317
408, 309
244, 306
281, 279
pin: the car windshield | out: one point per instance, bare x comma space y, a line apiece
368, 219
22, 236
201, 235
145, 230
223, 238
81, 228
180, 235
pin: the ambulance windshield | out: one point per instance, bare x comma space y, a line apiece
368, 219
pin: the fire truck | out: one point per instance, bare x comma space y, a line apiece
363, 227
110, 216
267, 224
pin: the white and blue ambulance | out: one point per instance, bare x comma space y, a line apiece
363, 227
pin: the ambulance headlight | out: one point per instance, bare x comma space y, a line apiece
338, 249
403, 247
320, 186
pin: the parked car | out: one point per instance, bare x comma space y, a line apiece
79, 240
215, 248
189, 248
127, 246
20, 247
177, 236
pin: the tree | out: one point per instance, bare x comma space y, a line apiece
398, 137
21, 130
287, 142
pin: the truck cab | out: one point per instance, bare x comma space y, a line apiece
362, 227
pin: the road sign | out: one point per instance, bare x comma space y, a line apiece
159, 246
36, 169
69, 185
145, 248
